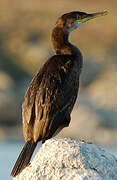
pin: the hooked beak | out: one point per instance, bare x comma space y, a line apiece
93, 15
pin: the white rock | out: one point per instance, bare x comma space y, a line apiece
68, 159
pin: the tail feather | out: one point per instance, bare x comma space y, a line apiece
24, 158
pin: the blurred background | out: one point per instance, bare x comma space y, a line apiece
25, 44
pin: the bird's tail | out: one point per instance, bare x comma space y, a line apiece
24, 158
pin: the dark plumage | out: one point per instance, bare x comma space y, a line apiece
50, 98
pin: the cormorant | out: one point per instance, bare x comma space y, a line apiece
50, 98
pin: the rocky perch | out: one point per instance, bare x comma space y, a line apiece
69, 159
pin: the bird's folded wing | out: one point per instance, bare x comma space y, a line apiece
47, 102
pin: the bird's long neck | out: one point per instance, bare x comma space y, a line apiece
61, 43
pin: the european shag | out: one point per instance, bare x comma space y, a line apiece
52, 93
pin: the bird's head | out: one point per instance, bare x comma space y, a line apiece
72, 20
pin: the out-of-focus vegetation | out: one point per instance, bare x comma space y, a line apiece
25, 29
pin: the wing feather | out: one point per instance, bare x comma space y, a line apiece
50, 98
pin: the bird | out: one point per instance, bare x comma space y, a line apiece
51, 95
